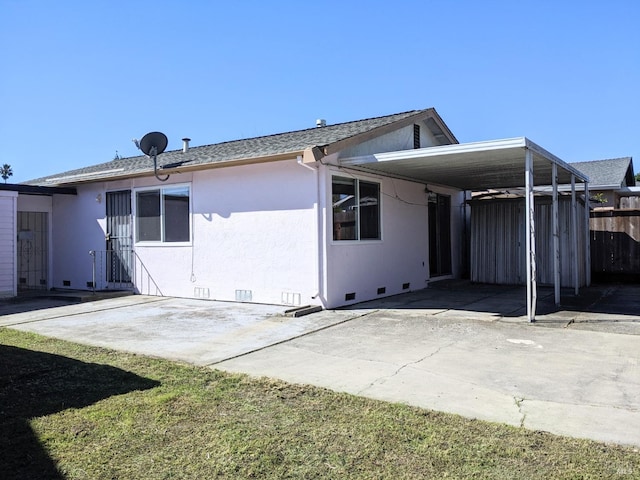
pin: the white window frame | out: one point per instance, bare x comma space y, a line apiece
356, 240
161, 189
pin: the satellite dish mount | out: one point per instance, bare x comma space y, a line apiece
152, 145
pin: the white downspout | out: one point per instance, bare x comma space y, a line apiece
319, 234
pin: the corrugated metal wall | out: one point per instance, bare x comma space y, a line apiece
7, 245
33, 250
498, 242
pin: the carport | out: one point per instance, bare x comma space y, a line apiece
516, 163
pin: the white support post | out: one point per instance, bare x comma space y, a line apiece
574, 234
530, 233
587, 243
556, 234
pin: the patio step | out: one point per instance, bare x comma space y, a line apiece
302, 311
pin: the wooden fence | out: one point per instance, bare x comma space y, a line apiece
615, 241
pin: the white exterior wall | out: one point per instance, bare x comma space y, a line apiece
253, 228
77, 226
400, 257
8, 219
401, 139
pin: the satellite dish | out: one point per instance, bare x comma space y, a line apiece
153, 140
152, 145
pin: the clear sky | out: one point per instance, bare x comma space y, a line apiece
80, 79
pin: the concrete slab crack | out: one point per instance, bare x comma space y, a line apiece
402, 367
519, 401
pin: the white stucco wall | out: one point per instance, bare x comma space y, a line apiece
8, 209
254, 230
402, 255
257, 235
253, 227
76, 229
401, 139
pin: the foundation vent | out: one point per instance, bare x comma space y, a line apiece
291, 298
405, 286
382, 290
244, 295
350, 296
201, 292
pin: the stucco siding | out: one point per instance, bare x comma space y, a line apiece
397, 263
401, 139
8, 285
254, 232
77, 227
253, 236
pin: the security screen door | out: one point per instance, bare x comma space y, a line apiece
119, 237
439, 234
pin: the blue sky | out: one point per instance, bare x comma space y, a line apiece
80, 79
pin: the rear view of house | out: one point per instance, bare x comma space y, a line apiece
273, 219
331, 215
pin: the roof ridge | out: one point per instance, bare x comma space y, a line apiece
604, 160
310, 128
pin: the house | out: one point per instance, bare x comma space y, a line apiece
329, 216
612, 181
615, 220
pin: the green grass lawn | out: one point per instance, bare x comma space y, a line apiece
73, 412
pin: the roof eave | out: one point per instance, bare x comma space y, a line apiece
184, 168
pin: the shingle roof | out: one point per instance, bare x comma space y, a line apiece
612, 172
258, 147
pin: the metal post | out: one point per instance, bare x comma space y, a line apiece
587, 244
93, 278
574, 234
530, 233
556, 234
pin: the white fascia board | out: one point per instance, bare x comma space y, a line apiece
552, 158
453, 149
471, 147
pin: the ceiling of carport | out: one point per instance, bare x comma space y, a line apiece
471, 166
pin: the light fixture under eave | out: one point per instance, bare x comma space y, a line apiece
152, 145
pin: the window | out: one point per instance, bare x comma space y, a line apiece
162, 215
356, 209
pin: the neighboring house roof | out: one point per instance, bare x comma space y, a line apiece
612, 173
319, 141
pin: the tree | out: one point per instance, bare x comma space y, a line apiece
637, 177
6, 172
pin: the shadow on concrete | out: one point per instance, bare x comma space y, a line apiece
32, 300
22, 305
599, 302
34, 384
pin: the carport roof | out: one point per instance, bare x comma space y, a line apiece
485, 165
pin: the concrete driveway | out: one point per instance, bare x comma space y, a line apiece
467, 351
